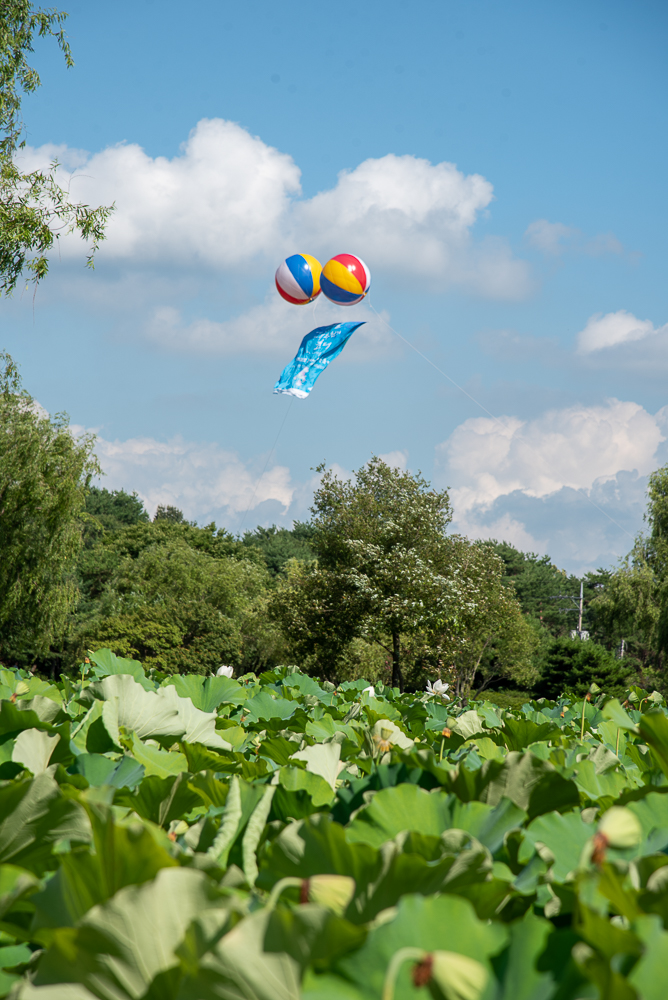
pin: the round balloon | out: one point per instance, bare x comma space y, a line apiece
345, 279
298, 278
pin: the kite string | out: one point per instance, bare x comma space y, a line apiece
273, 447
485, 410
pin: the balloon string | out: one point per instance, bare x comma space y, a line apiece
273, 447
484, 408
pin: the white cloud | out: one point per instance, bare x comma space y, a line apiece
275, 327
612, 329
538, 483
555, 238
228, 198
549, 236
219, 203
395, 459
573, 447
201, 478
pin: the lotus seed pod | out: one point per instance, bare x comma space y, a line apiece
457, 977
332, 891
620, 827
21, 689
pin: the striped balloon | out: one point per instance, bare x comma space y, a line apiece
345, 279
298, 279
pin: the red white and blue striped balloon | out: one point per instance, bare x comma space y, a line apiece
298, 279
345, 279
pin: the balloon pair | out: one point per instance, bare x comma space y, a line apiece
344, 279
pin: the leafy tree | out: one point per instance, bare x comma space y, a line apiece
34, 209
44, 477
279, 545
571, 665
176, 596
490, 639
633, 607
166, 512
378, 539
538, 584
115, 509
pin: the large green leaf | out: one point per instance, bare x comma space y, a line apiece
534, 785
564, 837
519, 733
105, 664
33, 748
120, 948
239, 968
34, 817
263, 706
126, 852
408, 807
436, 923
155, 761
520, 977
207, 693
322, 759
649, 975
160, 713
15, 883
160, 800
98, 769
316, 846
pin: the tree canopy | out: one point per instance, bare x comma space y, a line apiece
34, 209
44, 476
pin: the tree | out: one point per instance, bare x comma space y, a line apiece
489, 639
166, 512
177, 597
378, 539
44, 476
633, 607
279, 545
571, 665
114, 509
34, 209
538, 584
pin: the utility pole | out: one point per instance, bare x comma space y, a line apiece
578, 606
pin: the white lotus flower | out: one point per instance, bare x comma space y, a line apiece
371, 691
224, 671
438, 687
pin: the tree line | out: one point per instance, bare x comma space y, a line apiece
374, 584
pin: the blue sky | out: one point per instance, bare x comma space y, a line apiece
499, 166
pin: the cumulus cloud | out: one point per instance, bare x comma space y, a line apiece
572, 447
615, 328
275, 327
201, 478
555, 238
220, 202
570, 482
228, 198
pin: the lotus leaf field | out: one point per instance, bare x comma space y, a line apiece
273, 837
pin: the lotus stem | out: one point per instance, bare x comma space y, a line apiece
283, 883
398, 959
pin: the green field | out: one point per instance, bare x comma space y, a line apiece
274, 837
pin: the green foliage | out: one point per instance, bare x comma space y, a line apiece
44, 475
571, 665
174, 595
538, 584
114, 509
387, 574
280, 545
271, 837
34, 209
